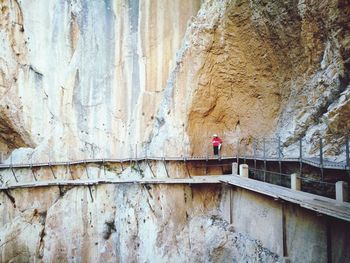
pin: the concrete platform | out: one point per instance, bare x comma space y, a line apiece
320, 204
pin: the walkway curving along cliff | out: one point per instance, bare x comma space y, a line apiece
319, 204
315, 162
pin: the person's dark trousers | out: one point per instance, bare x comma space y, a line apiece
216, 150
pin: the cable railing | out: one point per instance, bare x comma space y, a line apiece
277, 178
260, 172
243, 149
309, 185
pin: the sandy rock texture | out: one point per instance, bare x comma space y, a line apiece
121, 223
142, 80
262, 68
125, 223
96, 79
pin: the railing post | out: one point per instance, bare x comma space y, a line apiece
321, 159
347, 153
238, 151
295, 182
31, 168
234, 168
279, 147
279, 158
264, 154
137, 162
300, 156
245, 152
254, 153
341, 191
243, 170
166, 169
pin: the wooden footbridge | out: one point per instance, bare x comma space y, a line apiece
319, 204
315, 162
206, 161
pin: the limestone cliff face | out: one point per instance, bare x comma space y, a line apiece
123, 224
82, 79
263, 68
74, 86
93, 79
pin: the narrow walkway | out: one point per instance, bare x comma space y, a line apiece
312, 202
97, 181
310, 161
320, 204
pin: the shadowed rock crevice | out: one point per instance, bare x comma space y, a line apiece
10, 196
109, 228
12, 133
40, 249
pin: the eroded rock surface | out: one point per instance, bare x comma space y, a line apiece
261, 68
85, 79
98, 79
133, 82
124, 224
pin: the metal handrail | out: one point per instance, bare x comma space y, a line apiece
309, 161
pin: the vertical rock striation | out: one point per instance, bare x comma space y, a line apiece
85, 79
94, 79
133, 80
124, 224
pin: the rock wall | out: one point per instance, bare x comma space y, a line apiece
94, 79
161, 223
123, 223
263, 68
133, 82
84, 79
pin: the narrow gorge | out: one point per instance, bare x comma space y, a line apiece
126, 79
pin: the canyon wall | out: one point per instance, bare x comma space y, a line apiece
81, 80
123, 222
142, 80
97, 79
262, 68
133, 222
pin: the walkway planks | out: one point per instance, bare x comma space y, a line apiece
311, 161
320, 204
312, 202
97, 181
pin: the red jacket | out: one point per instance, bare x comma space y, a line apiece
216, 141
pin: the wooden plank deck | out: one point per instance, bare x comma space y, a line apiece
89, 182
310, 161
320, 204
312, 202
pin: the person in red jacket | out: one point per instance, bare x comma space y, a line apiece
216, 141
